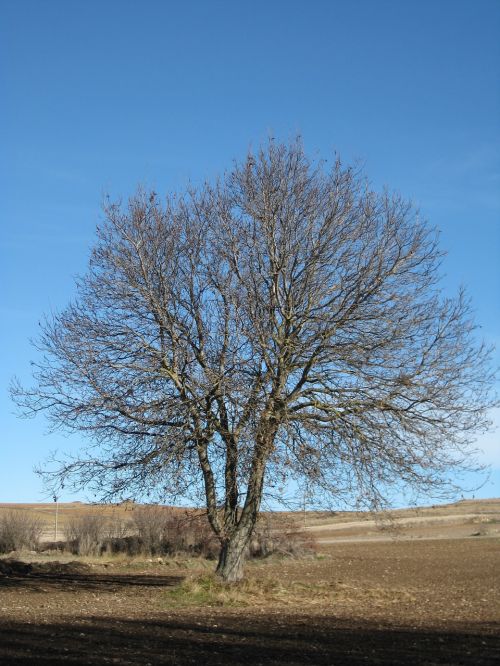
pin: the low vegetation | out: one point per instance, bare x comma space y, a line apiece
150, 531
19, 530
206, 589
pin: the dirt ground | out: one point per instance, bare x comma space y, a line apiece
424, 601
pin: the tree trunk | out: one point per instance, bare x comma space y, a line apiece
232, 557
233, 552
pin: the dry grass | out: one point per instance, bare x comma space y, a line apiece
257, 590
207, 590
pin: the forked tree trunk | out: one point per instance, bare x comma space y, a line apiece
234, 547
232, 556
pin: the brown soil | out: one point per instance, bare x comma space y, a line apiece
395, 602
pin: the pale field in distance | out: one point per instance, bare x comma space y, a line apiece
441, 521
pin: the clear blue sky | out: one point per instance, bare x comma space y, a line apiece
97, 97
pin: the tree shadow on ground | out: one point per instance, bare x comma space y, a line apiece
56, 576
242, 639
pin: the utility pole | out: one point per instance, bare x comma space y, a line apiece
56, 500
304, 506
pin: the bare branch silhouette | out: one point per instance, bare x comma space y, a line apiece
284, 323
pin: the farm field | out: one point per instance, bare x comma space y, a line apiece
457, 520
425, 590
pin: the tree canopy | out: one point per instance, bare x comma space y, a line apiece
283, 323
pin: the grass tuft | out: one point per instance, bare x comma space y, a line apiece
209, 590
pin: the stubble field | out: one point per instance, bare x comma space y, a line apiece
424, 590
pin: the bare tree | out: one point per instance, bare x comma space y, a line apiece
283, 323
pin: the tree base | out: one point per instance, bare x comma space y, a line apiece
232, 561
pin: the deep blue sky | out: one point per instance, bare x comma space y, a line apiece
97, 97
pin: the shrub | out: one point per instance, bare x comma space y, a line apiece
118, 538
128, 545
163, 531
86, 534
277, 535
190, 533
158, 531
152, 529
18, 530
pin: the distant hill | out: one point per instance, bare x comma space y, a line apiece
461, 519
